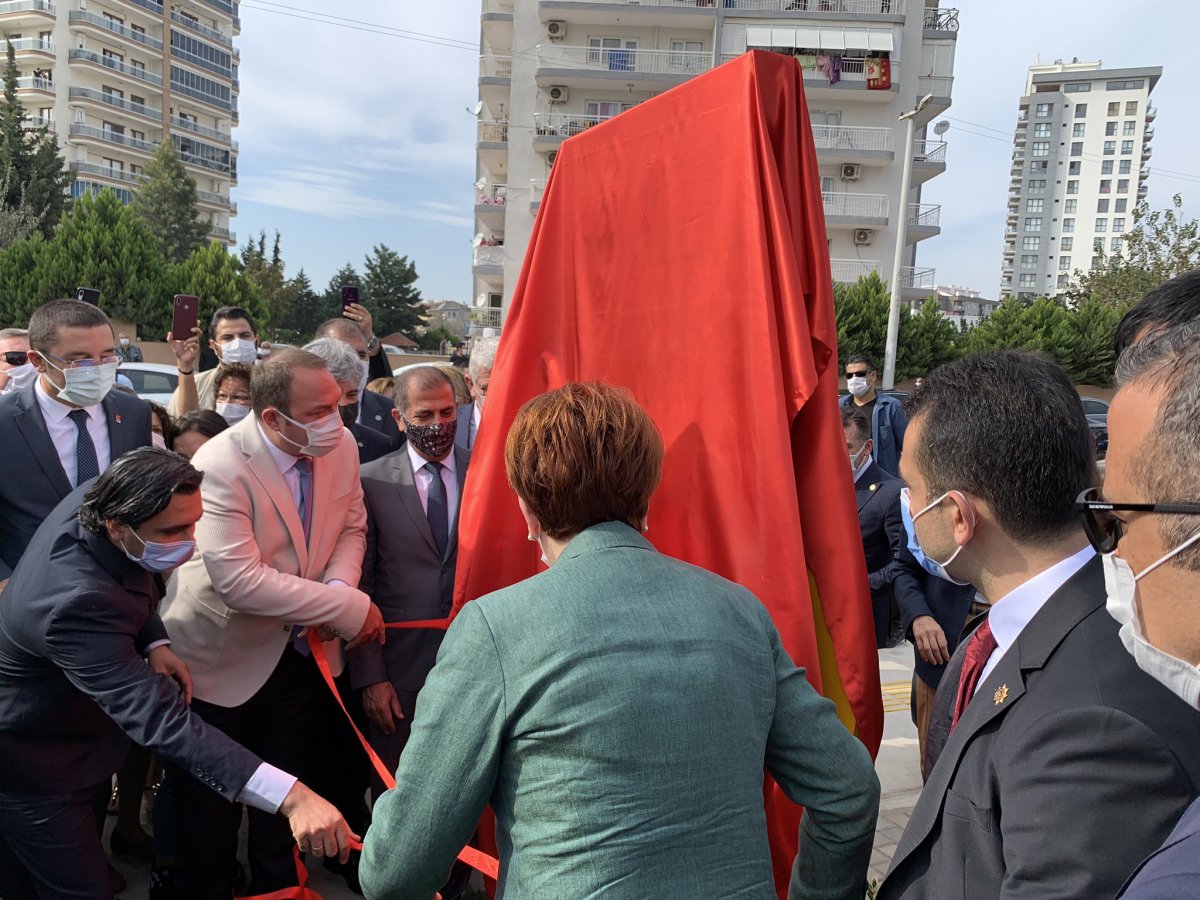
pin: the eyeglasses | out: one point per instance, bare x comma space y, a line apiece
85, 363
1104, 530
16, 357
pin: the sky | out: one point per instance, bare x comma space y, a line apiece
351, 138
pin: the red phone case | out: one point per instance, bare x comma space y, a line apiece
186, 316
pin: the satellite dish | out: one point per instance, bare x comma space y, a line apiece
477, 241
941, 128
478, 108
481, 300
481, 184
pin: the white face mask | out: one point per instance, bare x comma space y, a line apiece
1177, 675
857, 386
158, 440
86, 385
239, 350
232, 412
19, 377
856, 459
323, 435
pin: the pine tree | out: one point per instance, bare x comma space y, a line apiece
215, 275
269, 276
167, 203
390, 283
306, 310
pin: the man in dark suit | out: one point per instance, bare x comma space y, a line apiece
479, 376
878, 495
347, 368
66, 427
374, 411
1057, 737
78, 624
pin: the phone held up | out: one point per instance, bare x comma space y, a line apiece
349, 295
185, 316
88, 295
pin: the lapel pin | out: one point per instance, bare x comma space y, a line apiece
1001, 694
874, 486
117, 418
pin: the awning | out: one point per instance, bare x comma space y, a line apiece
833, 39
808, 38
880, 40
758, 36
857, 39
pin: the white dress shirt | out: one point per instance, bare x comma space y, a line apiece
424, 479
866, 463
476, 416
64, 434
1011, 613
286, 463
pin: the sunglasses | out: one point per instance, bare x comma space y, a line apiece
16, 357
1104, 530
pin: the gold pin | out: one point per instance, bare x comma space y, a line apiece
874, 486
1001, 694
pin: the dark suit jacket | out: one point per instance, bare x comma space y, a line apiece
878, 495
372, 444
1065, 771
403, 573
75, 621
377, 415
927, 595
465, 435
33, 481
1173, 871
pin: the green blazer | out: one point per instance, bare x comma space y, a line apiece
618, 711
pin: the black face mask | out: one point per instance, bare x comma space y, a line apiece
432, 441
349, 414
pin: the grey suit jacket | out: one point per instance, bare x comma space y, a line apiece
1069, 766
33, 481
465, 435
74, 622
403, 573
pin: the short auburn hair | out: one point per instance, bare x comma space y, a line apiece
583, 454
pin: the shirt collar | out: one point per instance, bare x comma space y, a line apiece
418, 461
476, 415
284, 461
866, 464
1012, 612
55, 410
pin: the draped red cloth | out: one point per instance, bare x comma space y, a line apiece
680, 251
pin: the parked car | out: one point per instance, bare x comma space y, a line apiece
152, 381
393, 350
1093, 406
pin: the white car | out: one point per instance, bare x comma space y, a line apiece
151, 381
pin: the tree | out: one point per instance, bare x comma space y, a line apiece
931, 341
167, 203
1015, 324
1084, 342
32, 155
306, 309
390, 283
861, 312
267, 272
215, 275
16, 222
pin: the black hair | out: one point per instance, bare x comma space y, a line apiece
226, 313
862, 358
421, 378
1006, 426
854, 418
207, 422
1175, 303
136, 487
48, 318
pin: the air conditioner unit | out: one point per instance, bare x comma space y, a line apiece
552, 156
557, 30
559, 94
863, 236
851, 171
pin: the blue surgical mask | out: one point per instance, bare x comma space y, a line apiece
932, 566
162, 558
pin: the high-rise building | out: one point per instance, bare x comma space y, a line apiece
1079, 168
114, 78
550, 69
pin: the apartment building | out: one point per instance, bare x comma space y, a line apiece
579, 62
114, 78
1081, 156
964, 307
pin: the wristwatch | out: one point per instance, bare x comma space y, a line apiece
372, 344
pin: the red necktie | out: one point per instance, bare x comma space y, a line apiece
979, 649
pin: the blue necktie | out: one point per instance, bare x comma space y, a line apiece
304, 469
437, 508
86, 464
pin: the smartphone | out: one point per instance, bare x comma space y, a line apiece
88, 295
349, 295
185, 317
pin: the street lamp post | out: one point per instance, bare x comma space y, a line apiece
893, 329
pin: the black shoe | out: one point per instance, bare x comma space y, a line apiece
348, 870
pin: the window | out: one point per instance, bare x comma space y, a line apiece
1079, 87
1122, 185
1077, 131
1114, 108
1115, 244
1070, 206
137, 135
1126, 148
825, 116
1064, 264
685, 54
1068, 226
605, 109
1033, 223
137, 66
1110, 147
1095, 262
1098, 245
1131, 84
1039, 167
1110, 129
1072, 187
1035, 186
1073, 168
1031, 242
1041, 129
1118, 224
1041, 148
1125, 167
1062, 281
1119, 206
1043, 110
1077, 148
1131, 105
1101, 226
1029, 261
1102, 206
1067, 244
1028, 280
1035, 205
1106, 185
1129, 128
1106, 167
828, 184
136, 100
1080, 110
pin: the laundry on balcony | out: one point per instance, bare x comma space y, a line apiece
830, 65
879, 73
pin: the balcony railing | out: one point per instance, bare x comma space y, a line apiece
861, 7
204, 130
223, 234
112, 137
924, 215
37, 122
219, 199
487, 317
149, 5
850, 138
493, 133
929, 151
204, 162
23, 44
216, 68
856, 206
923, 279
848, 271
114, 101
492, 195
564, 124
16, 6
941, 19
499, 6
30, 83
495, 67
204, 97
115, 64
76, 16
210, 33
647, 62
488, 256
107, 172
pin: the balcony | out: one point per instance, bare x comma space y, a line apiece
29, 83
114, 102
560, 9
537, 187
853, 210
207, 163
203, 130
551, 129
82, 18
490, 204
640, 69
217, 200
152, 7
37, 122
112, 137
853, 144
940, 23
33, 45
109, 172
488, 317
917, 284
499, 7
109, 62
924, 221
497, 68
192, 59
203, 30
488, 263
493, 132
853, 78
1151, 113
848, 271
223, 234
12, 11
929, 159
222, 103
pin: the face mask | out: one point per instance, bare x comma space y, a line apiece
1177, 675
349, 414
158, 440
86, 386
857, 386
856, 458
323, 435
232, 412
19, 377
162, 557
124, 342
933, 567
432, 441
239, 351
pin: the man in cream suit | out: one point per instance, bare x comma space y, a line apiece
280, 549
